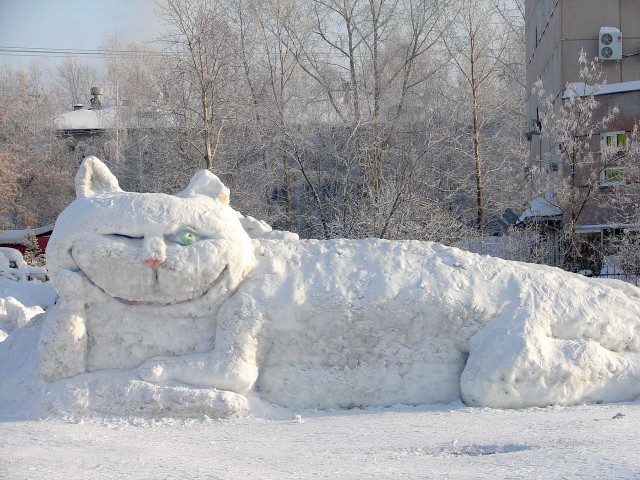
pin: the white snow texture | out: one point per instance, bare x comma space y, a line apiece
167, 307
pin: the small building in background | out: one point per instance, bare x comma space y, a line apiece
121, 135
84, 128
18, 238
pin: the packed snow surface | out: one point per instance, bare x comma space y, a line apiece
167, 307
428, 442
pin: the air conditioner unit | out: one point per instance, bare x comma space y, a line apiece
610, 44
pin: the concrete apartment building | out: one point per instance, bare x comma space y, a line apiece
556, 32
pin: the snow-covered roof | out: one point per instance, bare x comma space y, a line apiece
105, 119
581, 89
600, 227
85, 119
542, 207
19, 236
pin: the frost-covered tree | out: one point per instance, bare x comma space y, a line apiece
480, 47
203, 64
624, 204
36, 183
74, 79
627, 251
368, 59
573, 126
330, 118
33, 254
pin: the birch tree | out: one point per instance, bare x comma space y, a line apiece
200, 41
367, 58
74, 80
476, 46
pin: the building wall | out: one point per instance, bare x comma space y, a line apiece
543, 22
581, 24
628, 104
556, 32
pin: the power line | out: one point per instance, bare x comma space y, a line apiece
3, 54
74, 52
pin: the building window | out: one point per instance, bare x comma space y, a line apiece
610, 235
612, 176
613, 140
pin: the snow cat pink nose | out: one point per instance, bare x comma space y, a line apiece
153, 262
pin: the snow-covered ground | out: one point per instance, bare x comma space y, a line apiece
435, 442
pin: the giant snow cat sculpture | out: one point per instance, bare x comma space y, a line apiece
166, 301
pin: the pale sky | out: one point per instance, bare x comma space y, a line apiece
76, 24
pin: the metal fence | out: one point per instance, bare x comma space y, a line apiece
625, 277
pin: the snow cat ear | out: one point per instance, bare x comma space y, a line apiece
94, 178
206, 183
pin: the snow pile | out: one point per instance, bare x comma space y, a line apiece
261, 229
29, 294
20, 298
13, 267
167, 307
14, 314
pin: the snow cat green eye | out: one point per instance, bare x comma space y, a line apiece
186, 237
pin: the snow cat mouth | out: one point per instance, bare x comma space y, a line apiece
131, 303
